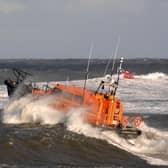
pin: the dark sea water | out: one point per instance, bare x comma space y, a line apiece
35, 145
54, 145
61, 69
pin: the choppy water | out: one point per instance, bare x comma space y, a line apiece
33, 135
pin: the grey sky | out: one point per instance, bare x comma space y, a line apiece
66, 28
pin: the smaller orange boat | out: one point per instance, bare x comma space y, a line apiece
128, 75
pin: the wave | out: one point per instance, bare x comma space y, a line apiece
153, 76
31, 110
152, 145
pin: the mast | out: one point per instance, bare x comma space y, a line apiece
116, 83
115, 54
87, 70
113, 57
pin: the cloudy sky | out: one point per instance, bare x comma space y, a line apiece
66, 28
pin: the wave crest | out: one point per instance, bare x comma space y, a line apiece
153, 76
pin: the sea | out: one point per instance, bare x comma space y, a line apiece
32, 134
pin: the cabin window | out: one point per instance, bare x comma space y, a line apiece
78, 99
67, 95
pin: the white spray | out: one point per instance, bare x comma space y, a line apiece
152, 145
31, 110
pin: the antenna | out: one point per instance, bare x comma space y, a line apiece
90, 54
108, 63
87, 70
115, 54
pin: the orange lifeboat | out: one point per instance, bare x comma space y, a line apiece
103, 108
